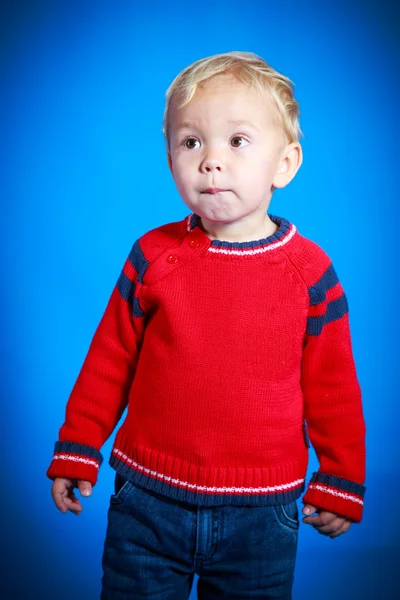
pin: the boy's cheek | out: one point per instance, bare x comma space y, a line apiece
184, 175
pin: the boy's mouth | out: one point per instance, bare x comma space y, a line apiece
213, 191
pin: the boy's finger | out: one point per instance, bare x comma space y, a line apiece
64, 503
73, 505
309, 509
318, 521
85, 488
342, 530
332, 527
59, 502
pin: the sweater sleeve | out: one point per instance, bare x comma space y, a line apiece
332, 402
101, 391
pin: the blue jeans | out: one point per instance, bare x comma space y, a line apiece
154, 545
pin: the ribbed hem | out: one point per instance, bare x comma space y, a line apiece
337, 495
75, 461
208, 486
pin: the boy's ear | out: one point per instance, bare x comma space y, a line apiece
170, 162
289, 164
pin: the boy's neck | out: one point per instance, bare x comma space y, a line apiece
237, 232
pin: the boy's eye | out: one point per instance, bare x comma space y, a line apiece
190, 143
238, 141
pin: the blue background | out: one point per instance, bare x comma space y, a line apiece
84, 173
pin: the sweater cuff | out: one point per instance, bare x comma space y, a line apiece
337, 495
75, 461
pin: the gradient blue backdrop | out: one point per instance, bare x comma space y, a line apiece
84, 173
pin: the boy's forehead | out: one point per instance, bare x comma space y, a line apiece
221, 86
229, 100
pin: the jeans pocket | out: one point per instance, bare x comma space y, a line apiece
122, 488
288, 515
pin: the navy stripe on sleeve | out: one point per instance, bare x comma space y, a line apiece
334, 309
127, 287
81, 449
339, 483
137, 259
317, 292
127, 290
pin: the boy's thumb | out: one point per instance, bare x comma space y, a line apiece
308, 509
85, 488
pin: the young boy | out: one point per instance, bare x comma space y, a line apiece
227, 336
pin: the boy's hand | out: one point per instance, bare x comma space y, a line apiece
326, 523
63, 494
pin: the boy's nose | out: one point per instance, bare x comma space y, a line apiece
208, 165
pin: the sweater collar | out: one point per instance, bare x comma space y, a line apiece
282, 235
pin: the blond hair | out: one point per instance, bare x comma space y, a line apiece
248, 68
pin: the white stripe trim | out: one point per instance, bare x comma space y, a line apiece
321, 488
256, 250
204, 488
86, 461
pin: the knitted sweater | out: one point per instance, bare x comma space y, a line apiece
229, 357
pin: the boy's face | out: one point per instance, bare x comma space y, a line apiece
226, 138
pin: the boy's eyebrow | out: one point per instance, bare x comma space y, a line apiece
239, 122
244, 122
186, 125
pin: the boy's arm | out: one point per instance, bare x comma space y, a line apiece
332, 401
101, 391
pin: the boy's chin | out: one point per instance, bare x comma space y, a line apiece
212, 223
214, 216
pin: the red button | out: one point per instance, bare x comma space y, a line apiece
194, 244
172, 258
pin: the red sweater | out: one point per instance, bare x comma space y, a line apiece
226, 355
